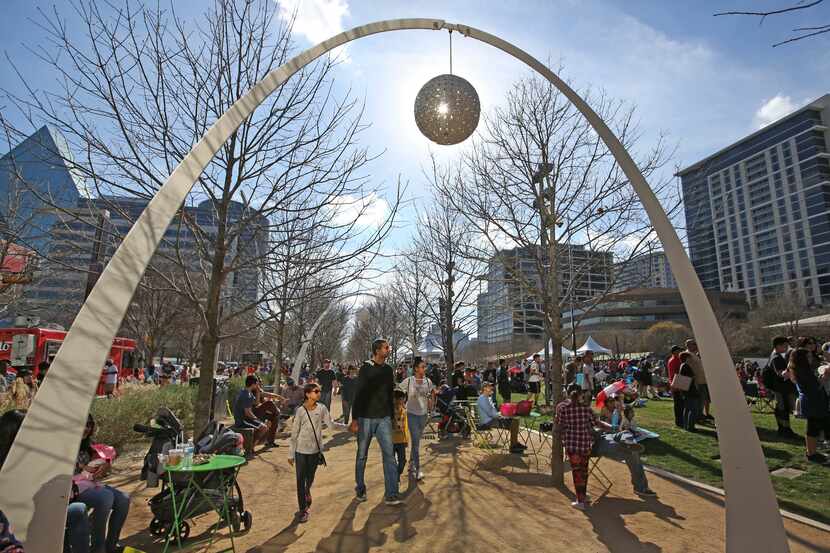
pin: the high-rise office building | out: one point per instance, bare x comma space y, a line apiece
41, 207
511, 307
34, 174
182, 245
648, 270
758, 211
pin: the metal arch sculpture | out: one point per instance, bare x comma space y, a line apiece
36, 476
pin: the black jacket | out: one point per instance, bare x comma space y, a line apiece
373, 391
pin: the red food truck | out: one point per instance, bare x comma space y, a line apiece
28, 347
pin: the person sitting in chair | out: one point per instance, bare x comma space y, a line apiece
490, 418
248, 414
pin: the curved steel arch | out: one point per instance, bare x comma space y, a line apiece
36, 477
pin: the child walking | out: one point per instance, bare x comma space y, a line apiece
304, 451
400, 434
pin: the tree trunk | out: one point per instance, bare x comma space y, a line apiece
553, 318
210, 340
280, 349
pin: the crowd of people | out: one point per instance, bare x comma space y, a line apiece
394, 405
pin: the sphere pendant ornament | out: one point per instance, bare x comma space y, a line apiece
447, 109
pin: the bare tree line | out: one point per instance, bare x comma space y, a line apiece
289, 189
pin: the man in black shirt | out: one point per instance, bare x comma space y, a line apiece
782, 386
245, 415
325, 378
503, 380
373, 411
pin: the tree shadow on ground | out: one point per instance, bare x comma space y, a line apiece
607, 518
505, 465
279, 542
341, 438
347, 539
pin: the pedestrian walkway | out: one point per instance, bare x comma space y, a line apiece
468, 502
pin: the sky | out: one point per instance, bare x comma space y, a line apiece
703, 81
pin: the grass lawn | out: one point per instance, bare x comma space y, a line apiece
696, 456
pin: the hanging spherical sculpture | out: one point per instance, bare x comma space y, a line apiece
447, 109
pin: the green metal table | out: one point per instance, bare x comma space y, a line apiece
227, 467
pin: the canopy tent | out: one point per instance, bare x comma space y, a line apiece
818, 321
592, 345
565, 352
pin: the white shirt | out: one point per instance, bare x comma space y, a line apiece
535, 373
302, 434
417, 394
588, 379
111, 374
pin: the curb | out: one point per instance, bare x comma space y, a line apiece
688, 481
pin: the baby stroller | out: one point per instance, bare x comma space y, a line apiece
215, 438
452, 421
164, 429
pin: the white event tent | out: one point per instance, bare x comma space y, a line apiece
592, 345
565, 352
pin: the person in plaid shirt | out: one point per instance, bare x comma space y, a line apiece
575, 424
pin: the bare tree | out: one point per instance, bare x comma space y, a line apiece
143, 85
800, 32
410, 293
160, 317
379, 318
541, 180
442, 248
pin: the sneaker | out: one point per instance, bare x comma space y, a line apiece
393, 500
302, 517
648, 492
578, 505
361, 497
272, 444
817, 458
419, 475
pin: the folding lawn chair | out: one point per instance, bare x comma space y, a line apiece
482, 436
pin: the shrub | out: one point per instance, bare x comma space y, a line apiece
116, 416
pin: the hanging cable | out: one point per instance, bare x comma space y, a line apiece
450, 51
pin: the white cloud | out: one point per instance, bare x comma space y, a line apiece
773, 109
317, 20
368, 211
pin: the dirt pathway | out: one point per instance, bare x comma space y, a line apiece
469, 502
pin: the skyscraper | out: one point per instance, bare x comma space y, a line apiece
34, 175
648, 270
511, 306
758, 211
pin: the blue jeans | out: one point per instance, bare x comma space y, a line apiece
618, 452
325, 398
416, 423
76, 539
691, 412
382, 430
110, 508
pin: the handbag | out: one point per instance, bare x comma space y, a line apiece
681, 382
321, 460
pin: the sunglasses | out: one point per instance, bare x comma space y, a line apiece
315, 391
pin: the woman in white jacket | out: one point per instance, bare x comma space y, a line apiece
305, 451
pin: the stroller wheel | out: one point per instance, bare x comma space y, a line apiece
184, 530
247, 520
156, 527
235, 522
